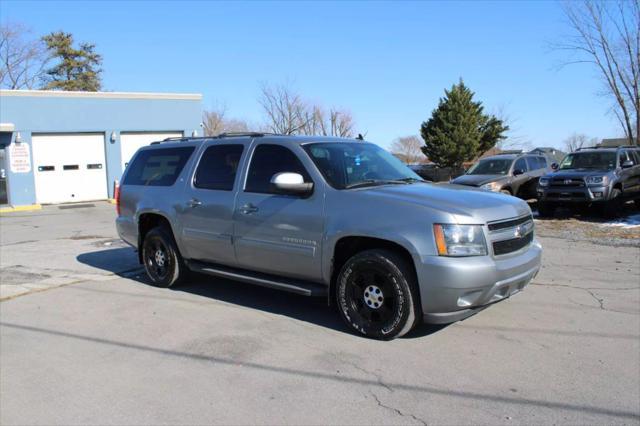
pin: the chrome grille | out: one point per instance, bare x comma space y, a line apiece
510, 235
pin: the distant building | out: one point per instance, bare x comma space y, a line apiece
58, 147
610, 143
554, 154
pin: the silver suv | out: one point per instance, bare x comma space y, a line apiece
318, 216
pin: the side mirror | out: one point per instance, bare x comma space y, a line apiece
627, 164
291, 184
518, 172
554, 166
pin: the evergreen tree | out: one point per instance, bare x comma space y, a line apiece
77, 69
458, 130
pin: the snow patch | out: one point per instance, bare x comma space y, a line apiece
632, 221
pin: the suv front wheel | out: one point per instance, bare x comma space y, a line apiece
377, 294
162, 260
613, 208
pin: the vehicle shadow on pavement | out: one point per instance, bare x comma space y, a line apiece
124, 262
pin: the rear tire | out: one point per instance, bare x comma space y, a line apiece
377, 294
162, 260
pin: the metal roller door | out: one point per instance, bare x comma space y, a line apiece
132, 141
69, 167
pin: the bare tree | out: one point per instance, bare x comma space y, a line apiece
579, 140
341, 123
288, 113
22, 60
215, 121
408, 149
514, 138
607, 35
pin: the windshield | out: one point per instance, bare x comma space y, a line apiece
491, 166
346, 165
589, 160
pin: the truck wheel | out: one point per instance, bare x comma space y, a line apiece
613, 208
377, 294
545, 210
162, 260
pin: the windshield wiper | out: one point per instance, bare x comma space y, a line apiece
409, 180
375, 182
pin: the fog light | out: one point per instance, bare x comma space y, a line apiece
597, 194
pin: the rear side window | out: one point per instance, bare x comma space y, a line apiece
521, 164
543, 162
218, 166
157, 167
268, 160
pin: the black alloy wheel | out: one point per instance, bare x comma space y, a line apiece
162, 261
377, 294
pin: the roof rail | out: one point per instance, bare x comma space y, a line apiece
240, 134
177, 139
181, 138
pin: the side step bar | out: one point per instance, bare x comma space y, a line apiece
303, 288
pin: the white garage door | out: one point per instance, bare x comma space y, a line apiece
69, 167
130, 142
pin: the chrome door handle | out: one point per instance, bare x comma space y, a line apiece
194, 203
248, 209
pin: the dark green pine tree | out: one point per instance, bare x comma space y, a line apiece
458, 130
77, 69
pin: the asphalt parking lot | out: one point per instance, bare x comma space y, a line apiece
84, 339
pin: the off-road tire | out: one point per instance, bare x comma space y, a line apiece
160, 247
390, 273
612, 208
545, 210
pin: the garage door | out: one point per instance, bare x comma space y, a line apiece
130, 142
69, 167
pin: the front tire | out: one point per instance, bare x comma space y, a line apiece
613, 207
377, 294
161, 258
545, 210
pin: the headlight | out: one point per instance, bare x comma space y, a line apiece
492, 186
543, 181
460, 240
596, 180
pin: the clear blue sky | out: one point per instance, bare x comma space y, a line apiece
387, 62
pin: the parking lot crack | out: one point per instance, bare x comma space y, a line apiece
397, 411
590, 291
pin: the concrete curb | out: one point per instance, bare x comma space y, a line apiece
11, 209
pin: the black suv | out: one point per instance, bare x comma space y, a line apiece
602, 177
512, 174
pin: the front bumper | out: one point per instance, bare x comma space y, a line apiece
452, 289
577, 195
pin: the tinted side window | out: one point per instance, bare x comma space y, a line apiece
268, 160
632, 156
636, 154
218, 166
157, 167
543, 162
532, 163
521, 164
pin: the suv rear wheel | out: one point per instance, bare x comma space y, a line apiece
377, 294
162, 260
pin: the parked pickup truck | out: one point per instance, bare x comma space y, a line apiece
330, 217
